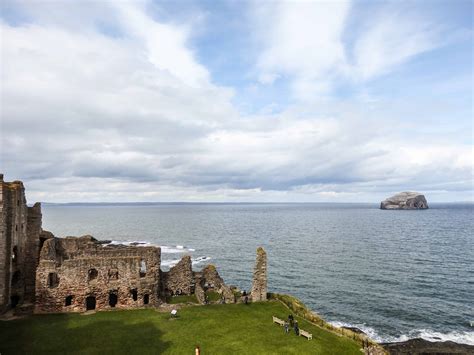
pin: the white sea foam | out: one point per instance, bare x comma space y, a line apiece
201, 259
137, 243
165, 249
169, 263
198, 260
462, 337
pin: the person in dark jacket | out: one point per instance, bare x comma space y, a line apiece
296, 328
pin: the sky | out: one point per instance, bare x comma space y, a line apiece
234, 101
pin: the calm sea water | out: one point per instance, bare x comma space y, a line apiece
394, 274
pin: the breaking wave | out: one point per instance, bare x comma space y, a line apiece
462, 337
131, 243
165, 249
198, 260
175, 249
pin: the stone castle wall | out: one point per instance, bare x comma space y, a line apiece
76, 274
182, 280
20, 229
42, 273
179, 279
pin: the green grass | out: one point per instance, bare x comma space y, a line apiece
213, 296
218, 329
182, 299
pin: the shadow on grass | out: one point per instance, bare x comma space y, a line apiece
65, 334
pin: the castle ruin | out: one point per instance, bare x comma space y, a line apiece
259, 285
42, 273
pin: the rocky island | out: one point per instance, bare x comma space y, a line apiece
408, 200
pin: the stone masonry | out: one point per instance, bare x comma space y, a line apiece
20, 239
42, 273
180, 279
259, 285
79, 274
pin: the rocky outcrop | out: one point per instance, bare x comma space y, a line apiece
259, 285
405, 201
421, 346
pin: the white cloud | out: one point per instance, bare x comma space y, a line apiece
132, 115
315, 46
166, 44
302, 40
390, 39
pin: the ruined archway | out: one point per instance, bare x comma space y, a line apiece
113, 299
90, 303
134, 294
68, 301
142, 268
53, 280
15, 254
14, 300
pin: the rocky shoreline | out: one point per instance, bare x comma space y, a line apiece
421, 346
425, 347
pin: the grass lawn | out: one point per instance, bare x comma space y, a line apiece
218, 329
182, 299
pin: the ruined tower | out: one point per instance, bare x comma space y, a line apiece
20, 229
259, 285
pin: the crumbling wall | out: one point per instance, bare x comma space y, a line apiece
20, 227
5, 241
31, 254
259, 285
77, 274
182, 280
210, 278
179, 279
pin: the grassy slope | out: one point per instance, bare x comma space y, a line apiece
218, 329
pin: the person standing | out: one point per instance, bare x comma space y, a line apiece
296, 328
287, 328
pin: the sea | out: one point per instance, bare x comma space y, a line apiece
396, 275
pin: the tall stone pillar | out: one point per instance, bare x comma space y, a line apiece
259, 285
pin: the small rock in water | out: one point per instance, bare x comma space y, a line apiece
405, 201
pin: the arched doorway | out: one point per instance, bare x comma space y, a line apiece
14, 300
90, 303
113, 298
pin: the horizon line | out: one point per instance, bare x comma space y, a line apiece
229, 202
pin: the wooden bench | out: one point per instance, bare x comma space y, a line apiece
305, 334
278, 321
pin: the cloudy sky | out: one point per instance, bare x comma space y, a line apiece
237, 100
